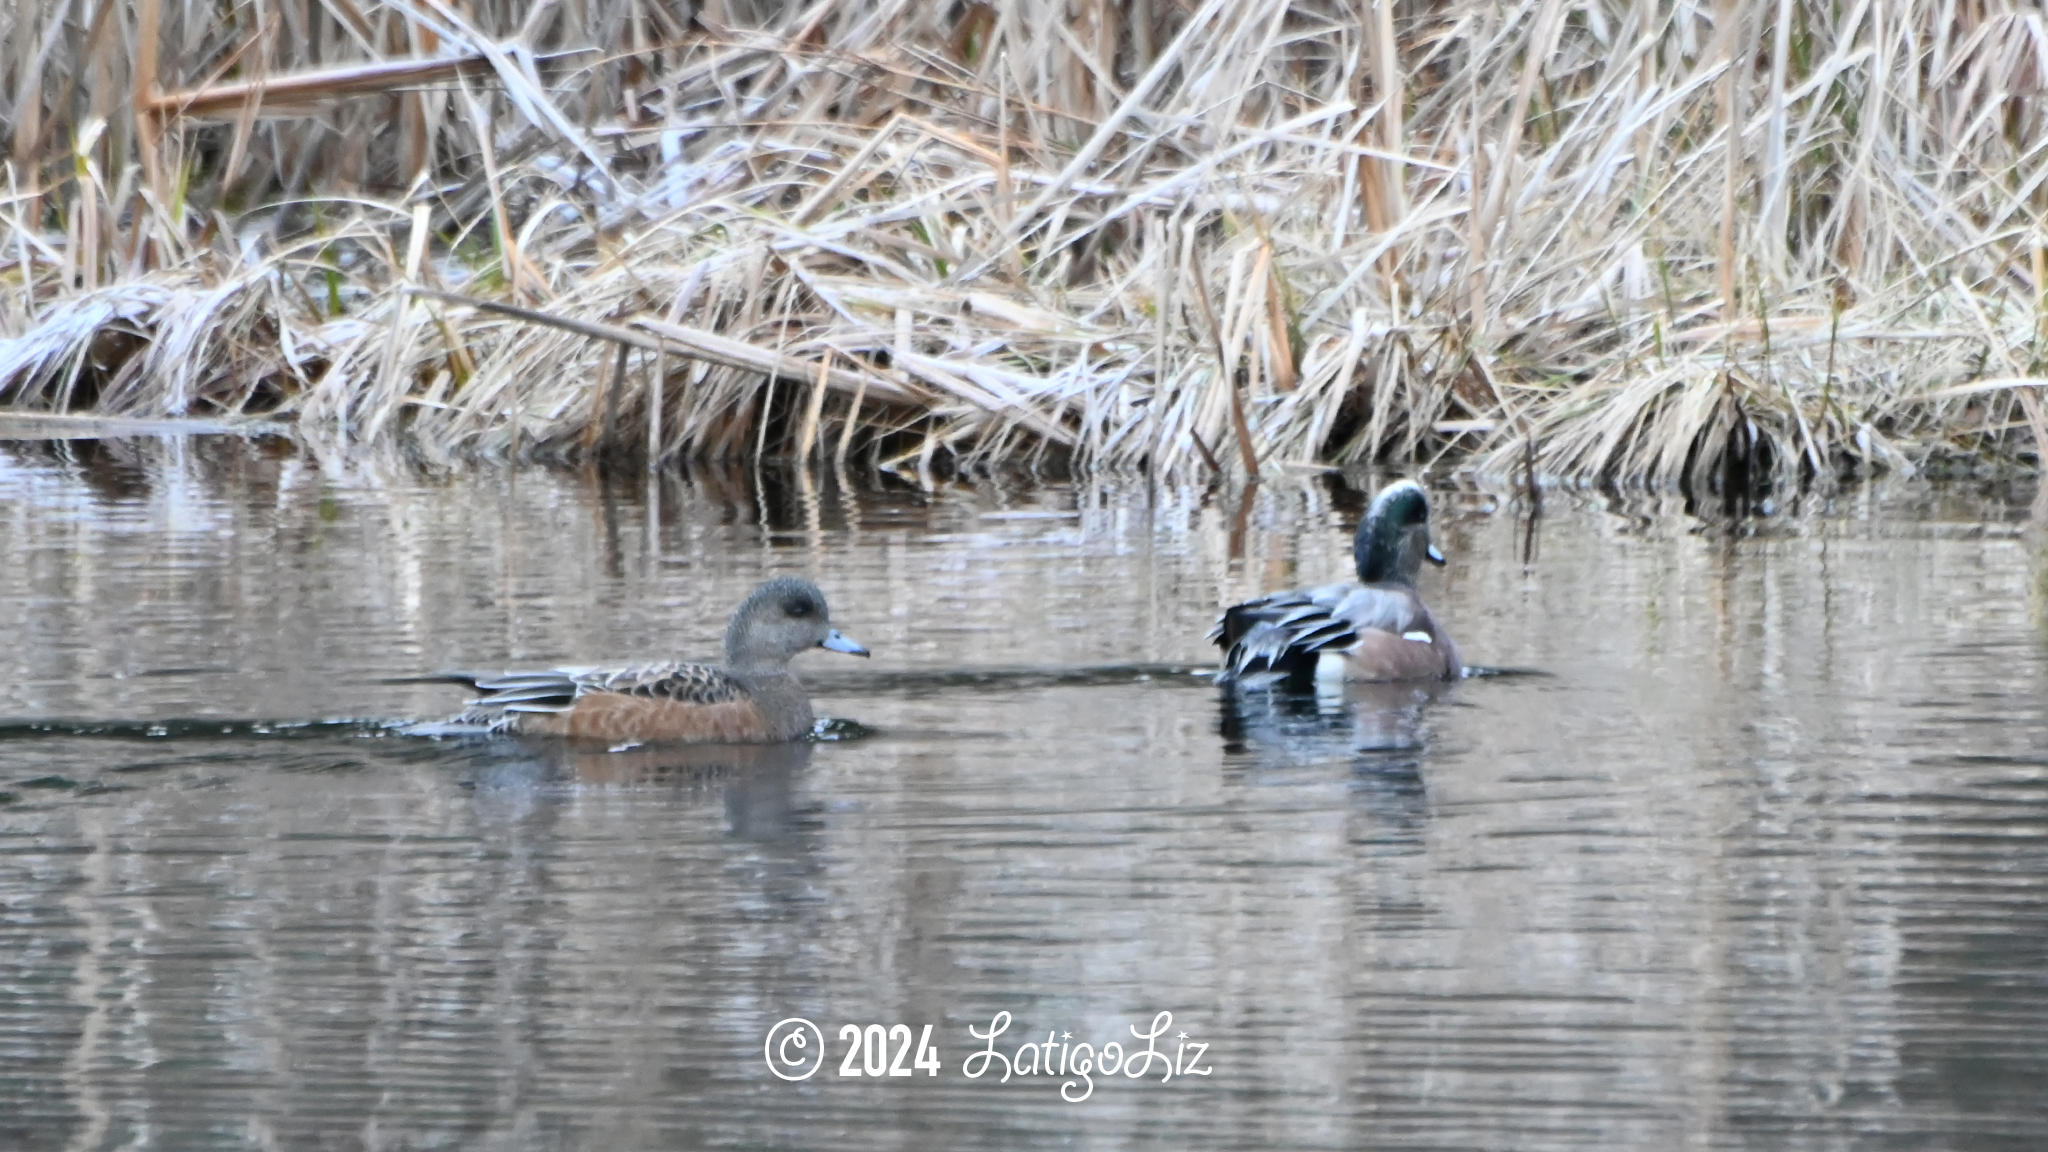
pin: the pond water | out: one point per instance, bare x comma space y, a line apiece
1743, 847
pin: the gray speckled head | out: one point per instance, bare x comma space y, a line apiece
779, 619
1393, 537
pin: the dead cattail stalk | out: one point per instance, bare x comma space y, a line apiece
1227, 378
1729, 35
657, 387
293, 94
148, 37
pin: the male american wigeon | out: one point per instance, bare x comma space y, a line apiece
751, 699
1376, 629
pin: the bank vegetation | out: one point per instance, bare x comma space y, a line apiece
1738, 243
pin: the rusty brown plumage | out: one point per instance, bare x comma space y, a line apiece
614, 719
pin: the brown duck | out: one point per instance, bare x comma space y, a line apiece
751, 699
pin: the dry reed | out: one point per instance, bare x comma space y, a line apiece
1618, 240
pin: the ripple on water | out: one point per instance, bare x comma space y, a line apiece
1739, 844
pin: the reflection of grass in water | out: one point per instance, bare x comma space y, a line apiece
1223, 233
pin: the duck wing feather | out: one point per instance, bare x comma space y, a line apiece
558, 689
1286, 632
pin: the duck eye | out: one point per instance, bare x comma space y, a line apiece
797, 608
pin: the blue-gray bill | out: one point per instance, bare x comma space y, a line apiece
838, 642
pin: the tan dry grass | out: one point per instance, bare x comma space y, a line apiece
1615, 239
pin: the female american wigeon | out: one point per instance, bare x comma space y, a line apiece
1376, 629
752, 699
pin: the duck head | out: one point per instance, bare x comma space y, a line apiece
1393, 537
781, 618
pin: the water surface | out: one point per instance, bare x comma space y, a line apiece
1746, 851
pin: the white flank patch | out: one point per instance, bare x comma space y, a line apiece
1421, 636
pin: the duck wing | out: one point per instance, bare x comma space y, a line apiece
1286, 632
502, 695
673, 681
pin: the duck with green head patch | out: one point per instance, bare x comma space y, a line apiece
1375, 629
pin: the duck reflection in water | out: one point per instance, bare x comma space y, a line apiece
1367, 737
1382, 721
756, 782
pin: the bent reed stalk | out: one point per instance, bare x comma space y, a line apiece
1758, 241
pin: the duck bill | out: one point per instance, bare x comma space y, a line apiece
840, 643
1435, 557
